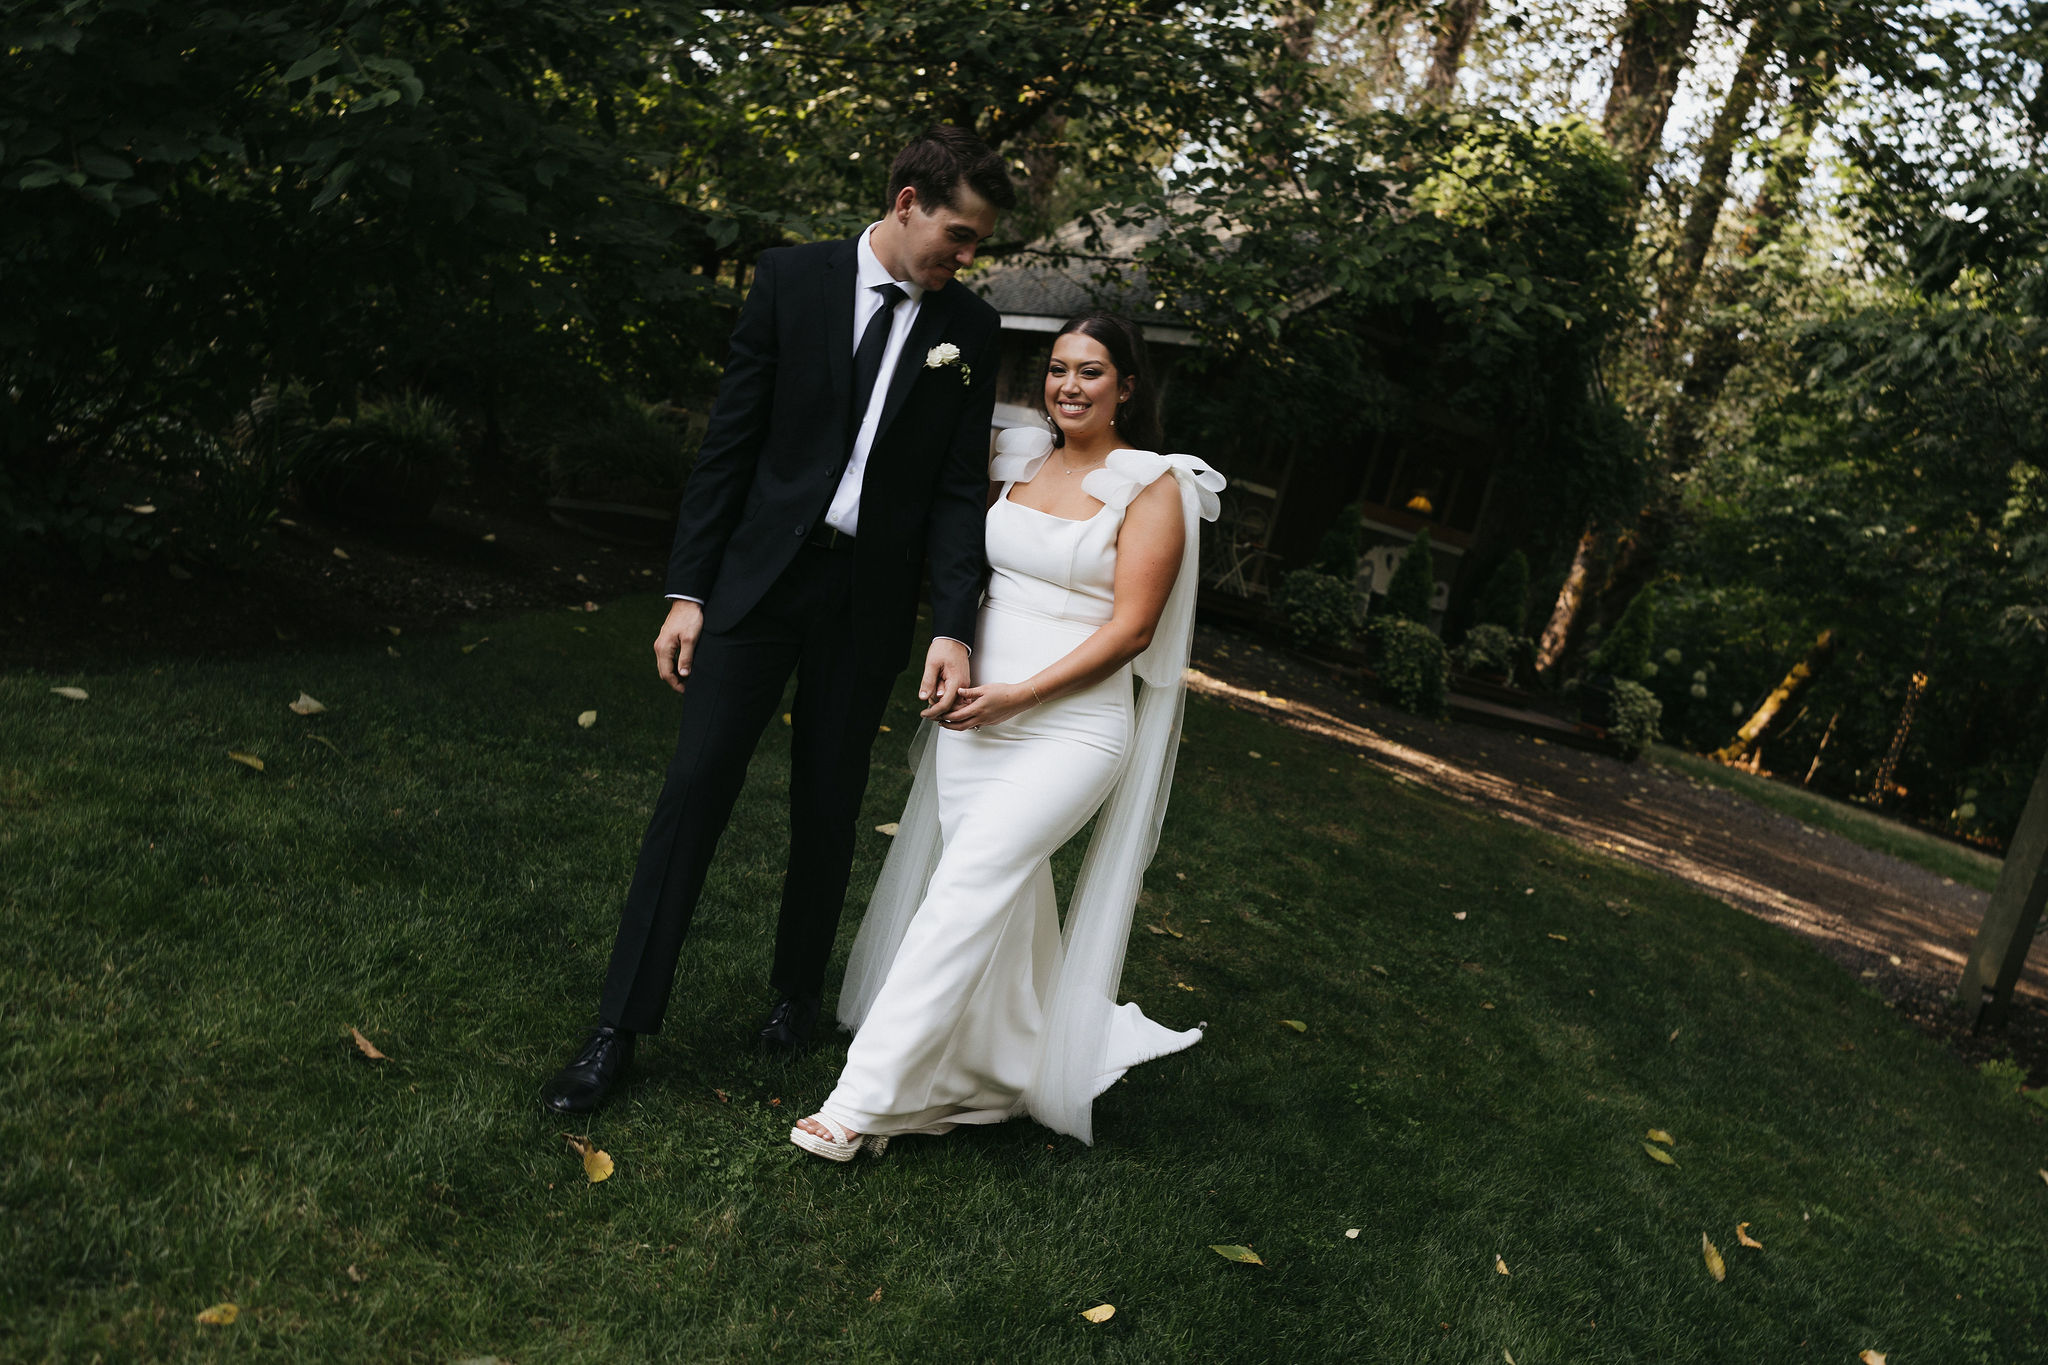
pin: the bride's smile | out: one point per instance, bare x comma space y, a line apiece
1082, 391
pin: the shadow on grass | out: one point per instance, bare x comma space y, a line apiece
188, 942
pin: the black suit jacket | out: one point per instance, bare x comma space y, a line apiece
778, 441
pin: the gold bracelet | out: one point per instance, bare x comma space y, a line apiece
1036, 700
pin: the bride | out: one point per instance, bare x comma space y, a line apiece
968, 1003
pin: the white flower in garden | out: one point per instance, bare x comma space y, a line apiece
1672, 656
1699, 675
1699, 689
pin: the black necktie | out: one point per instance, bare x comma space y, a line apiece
867, 360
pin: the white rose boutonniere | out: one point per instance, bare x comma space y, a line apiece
944, 354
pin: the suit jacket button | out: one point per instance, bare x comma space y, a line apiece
800, 528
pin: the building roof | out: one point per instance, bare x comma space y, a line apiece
1062, 274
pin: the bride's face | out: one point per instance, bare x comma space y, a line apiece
1082, 387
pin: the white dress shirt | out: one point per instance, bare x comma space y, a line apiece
843, 513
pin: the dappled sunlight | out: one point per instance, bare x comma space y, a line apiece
1877, 914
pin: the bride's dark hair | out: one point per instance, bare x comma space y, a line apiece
1137, 417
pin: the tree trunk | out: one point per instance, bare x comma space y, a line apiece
1561, 635
1452, 27
1710, 192
1656, 43
1753, 732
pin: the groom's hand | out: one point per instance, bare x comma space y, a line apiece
945, 673
677, 643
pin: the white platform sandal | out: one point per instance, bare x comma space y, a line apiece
843, 1144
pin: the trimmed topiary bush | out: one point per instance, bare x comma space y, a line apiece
1488, 649
1625, 652
1504, 601
1320, 608
1414, 668
1414, 582
1636, 713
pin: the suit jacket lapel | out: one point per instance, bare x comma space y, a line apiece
932, 314
841, 272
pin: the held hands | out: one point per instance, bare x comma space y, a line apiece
676, 644
945, 673
988, 705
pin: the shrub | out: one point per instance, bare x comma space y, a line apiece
633, 451
1413, 666
1337, 553
1636, 712
1321, 609
1489, 648
1625, 652
1414, 582
1504, 601
389, 461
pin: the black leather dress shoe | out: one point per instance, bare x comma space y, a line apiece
790, 1024
581, 1086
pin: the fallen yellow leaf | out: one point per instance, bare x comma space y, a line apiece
340, 553
356, 1276
1716, 1267
1242, 1254
1659, 1135
2043, 1174
467, 648
1674, 1036
586, 719
590, 606
325, 740
220, 1315
888, 829
247, 760
366, 1047
1296, 1025
597, 1165
1457, 914
74, 693
1559, 937
1659, 1154
1101, 1312
306, 706
1871, 1357
392, 650
1500, 1267
876, 1297
1352, 1233
1742, 1236
1153, 928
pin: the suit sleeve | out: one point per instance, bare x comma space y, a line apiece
954, 547
724, 470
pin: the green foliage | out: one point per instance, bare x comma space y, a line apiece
631, 450
1635, 713
1337, 552
389, 461
70, 510
1488, 648
1625, 652
1413, 668
1414, 582
1504, 600
1319, 608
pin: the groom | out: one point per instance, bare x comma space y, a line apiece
847, 450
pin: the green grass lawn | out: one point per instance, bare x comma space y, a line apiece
1952, 860
187, 943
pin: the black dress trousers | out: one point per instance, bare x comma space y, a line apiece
803, 624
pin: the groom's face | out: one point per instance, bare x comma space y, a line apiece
937, 243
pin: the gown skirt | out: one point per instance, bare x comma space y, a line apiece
952, 1037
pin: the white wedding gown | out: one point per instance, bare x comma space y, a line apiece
968, 1003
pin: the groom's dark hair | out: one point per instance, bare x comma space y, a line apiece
942, 156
